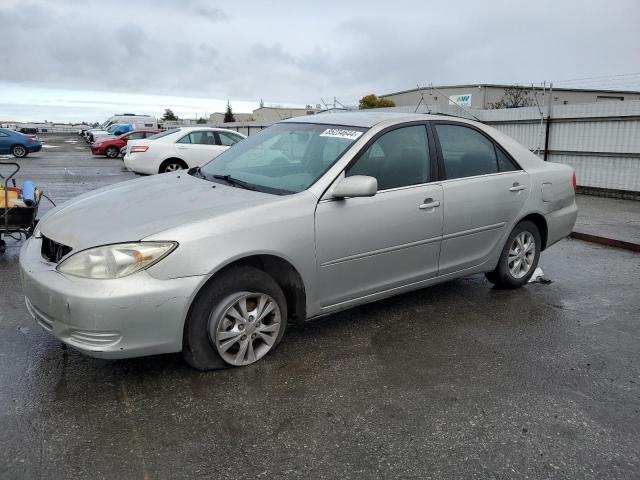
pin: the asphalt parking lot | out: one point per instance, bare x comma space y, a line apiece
456, 381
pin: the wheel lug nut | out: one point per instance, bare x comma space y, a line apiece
240, 327
253, 335
244, 337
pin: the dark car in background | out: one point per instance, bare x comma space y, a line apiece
111, 146
18, 144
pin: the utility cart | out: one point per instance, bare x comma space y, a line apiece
17, 214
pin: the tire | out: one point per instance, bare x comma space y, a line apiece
112, 152
172, 165
213, 337
513, 274
19, 151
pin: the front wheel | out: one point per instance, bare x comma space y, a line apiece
19, 151
236, 320
519, 257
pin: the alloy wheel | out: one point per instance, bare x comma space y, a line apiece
522, 254
19, 151
244, 327
173, 167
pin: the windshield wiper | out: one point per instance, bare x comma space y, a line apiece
234, 181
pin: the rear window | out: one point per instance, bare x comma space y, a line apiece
164, 134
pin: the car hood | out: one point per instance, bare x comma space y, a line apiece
136, 209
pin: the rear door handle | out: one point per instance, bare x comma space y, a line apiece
517, 188
429, 203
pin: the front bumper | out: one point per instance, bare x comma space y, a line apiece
128, 317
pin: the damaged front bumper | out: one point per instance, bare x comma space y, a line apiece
127, 317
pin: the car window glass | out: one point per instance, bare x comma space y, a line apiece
397, 159
2, 134
228, 139
136, 136
505, 164
203, 138
184, 139
466, 152
286, 157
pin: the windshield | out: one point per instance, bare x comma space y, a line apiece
284, 158
163, 134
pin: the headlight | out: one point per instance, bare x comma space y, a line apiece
115, 261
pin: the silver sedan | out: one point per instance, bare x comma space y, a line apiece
308, 217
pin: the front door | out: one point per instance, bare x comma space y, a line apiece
368, 245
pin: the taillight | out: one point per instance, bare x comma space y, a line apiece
574, 181
139, 148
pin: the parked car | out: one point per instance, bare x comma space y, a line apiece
178, 148
18, 144
307, 217
113, 131
111, 146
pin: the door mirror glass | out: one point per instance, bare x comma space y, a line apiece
356, 186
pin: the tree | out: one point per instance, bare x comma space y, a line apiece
169, 115
513, 97
372, 101
228, 115
201, 120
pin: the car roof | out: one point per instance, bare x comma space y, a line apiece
368, 119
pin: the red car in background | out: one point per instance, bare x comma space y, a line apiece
110, 146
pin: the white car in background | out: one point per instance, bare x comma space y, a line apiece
178, 148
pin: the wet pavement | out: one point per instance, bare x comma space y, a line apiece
458, 380
609, 217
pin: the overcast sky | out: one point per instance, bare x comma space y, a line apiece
83, 60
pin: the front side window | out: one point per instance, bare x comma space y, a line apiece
466, 152
286, 157
397, 159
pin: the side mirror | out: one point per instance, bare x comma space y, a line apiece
356, 186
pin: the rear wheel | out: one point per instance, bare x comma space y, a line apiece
235, 321
519, 257
111, 152
19, 151
172, 165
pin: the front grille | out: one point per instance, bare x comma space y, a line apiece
52, 250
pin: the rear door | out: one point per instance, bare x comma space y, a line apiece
484, 190
198, 147
369, 245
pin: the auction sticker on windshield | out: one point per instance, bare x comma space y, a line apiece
341, 133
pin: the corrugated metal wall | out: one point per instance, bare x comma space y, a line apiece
601, 141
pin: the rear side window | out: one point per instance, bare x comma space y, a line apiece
465, 152
136, 136
398, 158
228, 139
505, 164
185, 139
203, 138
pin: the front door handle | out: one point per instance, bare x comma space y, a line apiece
429, 203
517, 187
